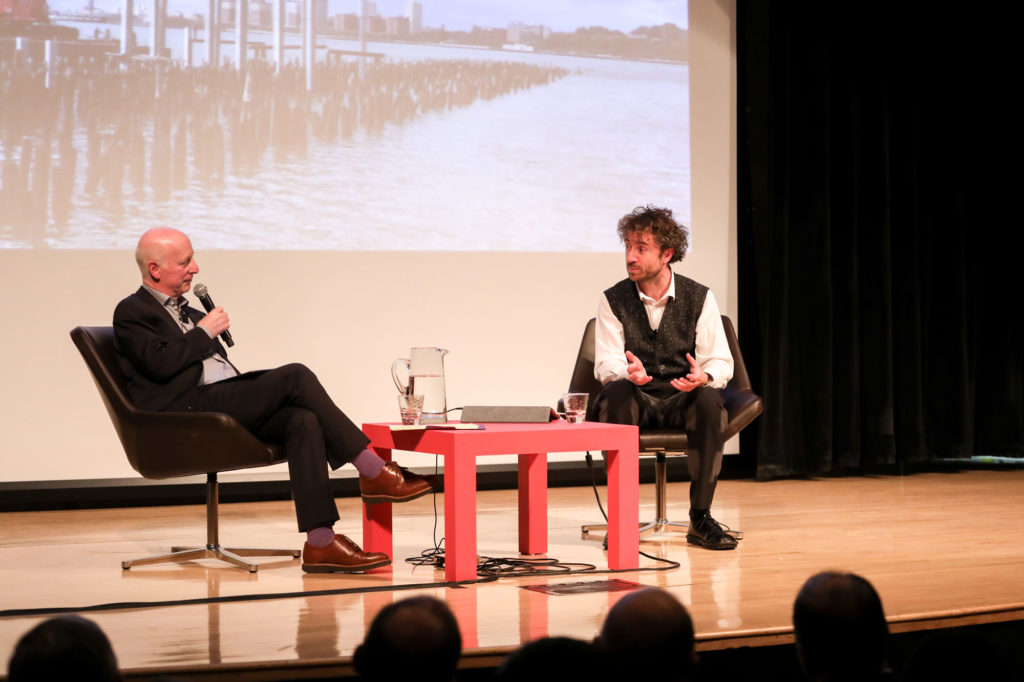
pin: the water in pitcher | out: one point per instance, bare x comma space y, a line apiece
431, 387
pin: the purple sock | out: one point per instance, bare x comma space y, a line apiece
368, 463
320, 537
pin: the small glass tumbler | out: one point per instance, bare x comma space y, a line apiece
575, 405
411, 407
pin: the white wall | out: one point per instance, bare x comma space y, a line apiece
512, 321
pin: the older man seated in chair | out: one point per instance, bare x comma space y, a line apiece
172, 360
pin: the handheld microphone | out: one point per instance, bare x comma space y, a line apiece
204, 297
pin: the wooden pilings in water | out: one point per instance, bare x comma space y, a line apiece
112, 135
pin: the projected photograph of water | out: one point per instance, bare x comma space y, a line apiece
410, 147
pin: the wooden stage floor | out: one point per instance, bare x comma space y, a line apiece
942, 549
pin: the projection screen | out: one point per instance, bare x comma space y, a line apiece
456, 186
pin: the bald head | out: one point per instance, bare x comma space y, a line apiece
166, 261
155, 244
645, 624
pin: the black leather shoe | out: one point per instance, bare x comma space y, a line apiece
705, 532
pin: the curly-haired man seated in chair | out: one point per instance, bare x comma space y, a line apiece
172, 360
663, 357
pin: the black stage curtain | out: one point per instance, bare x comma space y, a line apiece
878, 309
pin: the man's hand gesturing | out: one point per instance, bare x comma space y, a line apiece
635, 370
695, 379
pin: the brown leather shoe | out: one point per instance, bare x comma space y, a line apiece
396, 484
341, 556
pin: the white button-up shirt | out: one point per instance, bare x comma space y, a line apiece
712, 348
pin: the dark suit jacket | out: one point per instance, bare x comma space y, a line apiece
161, 363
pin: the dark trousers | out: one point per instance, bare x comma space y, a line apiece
289, 405
700, 412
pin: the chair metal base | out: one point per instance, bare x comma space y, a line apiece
649, 528
232, 555
212, 550
660, 524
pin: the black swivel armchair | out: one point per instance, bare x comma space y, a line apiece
168, 444
741, 404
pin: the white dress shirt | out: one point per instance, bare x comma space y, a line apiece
712, 348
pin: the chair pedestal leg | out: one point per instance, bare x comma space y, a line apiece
213, 550
660, 524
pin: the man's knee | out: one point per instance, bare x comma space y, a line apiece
616, 402
297, 375
297, 369
708, 404
618, 391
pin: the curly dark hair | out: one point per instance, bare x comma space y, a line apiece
659, 222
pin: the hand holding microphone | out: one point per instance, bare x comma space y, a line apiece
216, 320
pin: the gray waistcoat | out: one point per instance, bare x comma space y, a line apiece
663, 352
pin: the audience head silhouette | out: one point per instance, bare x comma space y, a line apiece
650, 634
840, 628
416, 638
956, 656
555, 659
64, 648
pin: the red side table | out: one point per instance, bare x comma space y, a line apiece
532, 442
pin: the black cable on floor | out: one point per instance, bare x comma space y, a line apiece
519, 567
506, 567
53, 610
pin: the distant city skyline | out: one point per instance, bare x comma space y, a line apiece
462, 15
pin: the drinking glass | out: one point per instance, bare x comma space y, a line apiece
575, 405
411, 407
